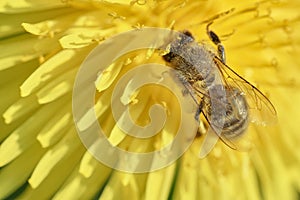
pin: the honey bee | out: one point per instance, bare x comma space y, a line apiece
197, 68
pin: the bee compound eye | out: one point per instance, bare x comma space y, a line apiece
187, 33
168, 57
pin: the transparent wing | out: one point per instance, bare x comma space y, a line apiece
242, 143
214, 133
261, 109
211, 139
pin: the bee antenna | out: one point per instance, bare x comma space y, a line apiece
208, 25
216, 40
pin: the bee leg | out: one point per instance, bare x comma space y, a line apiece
187, 87
199, 110
185, 92
202, 129
216, 40
189, 90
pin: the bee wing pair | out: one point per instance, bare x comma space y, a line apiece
261, 110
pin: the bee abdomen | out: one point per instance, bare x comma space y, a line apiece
237, 115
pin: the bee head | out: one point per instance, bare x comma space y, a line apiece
169, 56
184, 38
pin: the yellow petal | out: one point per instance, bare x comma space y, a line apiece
87, 165
120, 1
126, 185
57, 87
41, 29
75, 41
186, 183
10, 23
10, 79
55, 129
54, 180
56, 155
15, 53
116, 136
99, 108
20, 108
25, 135
108, 76
25, 5
13, 176
86, 188
43, 73
159, 183
10, 61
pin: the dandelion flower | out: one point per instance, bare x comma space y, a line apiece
43, 45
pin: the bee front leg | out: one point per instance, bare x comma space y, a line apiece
199, 110
187, 87
216, 40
